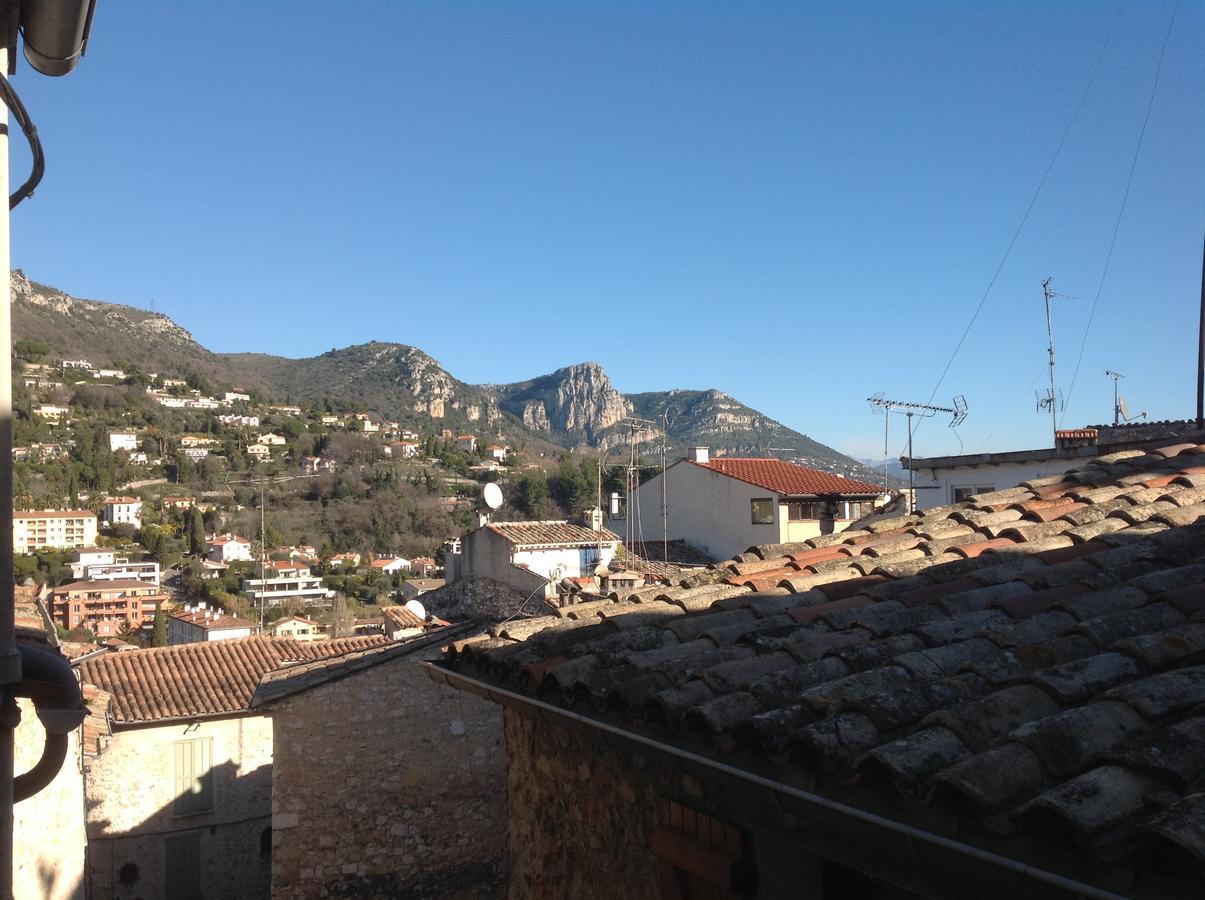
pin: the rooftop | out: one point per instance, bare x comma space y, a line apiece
788, 478
1023, 671
215, 621
551, 533
191, 681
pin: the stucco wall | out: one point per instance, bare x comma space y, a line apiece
130, 789
48, 828
709, 511
936, 487
388, 785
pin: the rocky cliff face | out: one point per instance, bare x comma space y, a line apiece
136, 323
578, 402
575, 407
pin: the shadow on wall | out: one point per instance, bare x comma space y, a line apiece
201, 844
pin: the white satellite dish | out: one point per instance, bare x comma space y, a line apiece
492, 495
417, 608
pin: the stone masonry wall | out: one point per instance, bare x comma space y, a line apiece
130, 790
581, 816
388, 785
477, 599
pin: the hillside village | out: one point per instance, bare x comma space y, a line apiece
344, 625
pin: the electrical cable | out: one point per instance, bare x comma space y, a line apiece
38, 167
1150, 102
1029, 209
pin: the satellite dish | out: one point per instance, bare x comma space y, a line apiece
492, 495
417, 608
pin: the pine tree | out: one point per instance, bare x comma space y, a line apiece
196, 532
159, 628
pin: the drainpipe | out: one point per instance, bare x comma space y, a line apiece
10, 659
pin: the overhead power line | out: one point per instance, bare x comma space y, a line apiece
1150, 102
1029, 208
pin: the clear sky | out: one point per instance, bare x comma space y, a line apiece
800, 204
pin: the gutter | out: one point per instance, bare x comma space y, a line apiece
814, 802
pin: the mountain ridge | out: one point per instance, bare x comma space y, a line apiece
574, 407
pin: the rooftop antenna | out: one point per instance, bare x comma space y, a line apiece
1121, 412
1052, 400
923, 410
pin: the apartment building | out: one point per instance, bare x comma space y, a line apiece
107, 608
58, 529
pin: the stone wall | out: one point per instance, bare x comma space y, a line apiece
131, 788
478, 599
388, 785
48, 828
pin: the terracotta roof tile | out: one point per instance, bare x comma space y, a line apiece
1048, 643
191, 681
788, 478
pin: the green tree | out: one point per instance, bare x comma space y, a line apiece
196, 532
159, 628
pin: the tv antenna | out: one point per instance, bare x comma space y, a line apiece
922, 410
1121, 412
1052, 399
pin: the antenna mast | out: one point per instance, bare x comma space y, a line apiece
1116, 376
923, 410
1051, 400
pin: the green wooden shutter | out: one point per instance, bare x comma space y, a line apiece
182, 863
194, 777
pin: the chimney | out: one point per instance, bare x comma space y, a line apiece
593, 518
698, 455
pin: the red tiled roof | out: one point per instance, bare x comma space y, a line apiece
787, 478
543, 533
114, 584
192, 681
401, 617
219, 622
1041, 670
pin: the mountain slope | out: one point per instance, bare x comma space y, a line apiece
575, 407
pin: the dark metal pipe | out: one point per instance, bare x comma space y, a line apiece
54, 751
1201, 350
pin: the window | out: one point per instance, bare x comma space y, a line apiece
699, 857
965, 492
762, 509
194, 778
804, 510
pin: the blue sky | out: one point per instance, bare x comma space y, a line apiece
799, 204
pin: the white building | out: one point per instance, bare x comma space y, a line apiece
528, 555
724, 506
76, 364
275, 590
123, 511
50, 411
198, 624
390, 565
97, 564
225, 548
236, 397
950, 479
59, 529
271, 439
231, 420
123, 440
196, 454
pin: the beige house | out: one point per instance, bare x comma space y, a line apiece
723, 506
299, 628
178, 803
